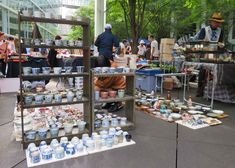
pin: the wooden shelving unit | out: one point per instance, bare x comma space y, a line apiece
86, 75
129, 99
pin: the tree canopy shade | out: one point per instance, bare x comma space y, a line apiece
134, 19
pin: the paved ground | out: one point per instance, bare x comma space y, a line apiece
211, 147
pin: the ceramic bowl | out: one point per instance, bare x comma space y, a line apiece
112, 70
68, 128
35, 71
27, 70
42, 133
104, 94
46, 70
119, 69
105, 69
31, 135
98, 70
112, 93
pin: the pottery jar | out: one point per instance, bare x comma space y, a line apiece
90, 145
123, 121
98, 143
119, 136
54, 130
70, 96
63, 142
105, 123
68, 128
128, 137
114, 122
109, 142
70, 149
59, 152
97, 123
97, 95
78, 95
30, 146
35, 155
53, 143
58, 98
81, 126
80, 146
47, 153
42, 133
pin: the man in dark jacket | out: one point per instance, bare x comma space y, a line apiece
105, 42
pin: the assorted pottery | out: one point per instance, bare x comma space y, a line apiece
104, 121
172, 110
65, 148
103, 94
104, 70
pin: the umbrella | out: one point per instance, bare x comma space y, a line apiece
36, 33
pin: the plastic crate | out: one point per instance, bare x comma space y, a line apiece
146, 80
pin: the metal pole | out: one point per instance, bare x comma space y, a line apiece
176, 147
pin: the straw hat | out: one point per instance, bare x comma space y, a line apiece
216, 17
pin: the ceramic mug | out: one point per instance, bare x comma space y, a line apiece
48, 98
58, 42
54, 130
68, 69
58, 98
27, 70
35, 71
28, 100
121, 93
80, 69
57, 70
31, 135
39, 99
46, 70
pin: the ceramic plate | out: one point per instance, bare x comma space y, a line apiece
212, 114
218, 111
175, 115
206, 108
192, 108
194, 112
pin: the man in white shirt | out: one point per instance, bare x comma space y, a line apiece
154, 47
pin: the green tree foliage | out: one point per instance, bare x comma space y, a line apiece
137, 18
